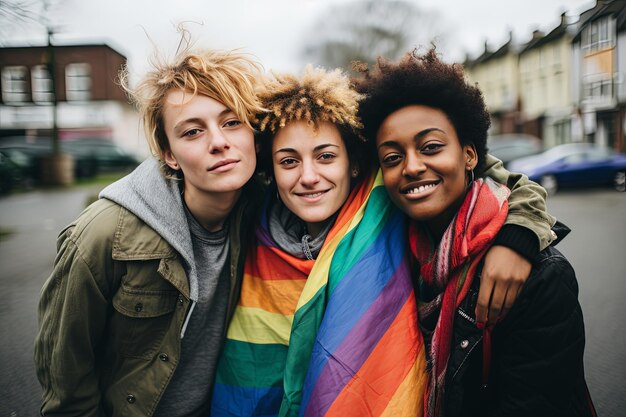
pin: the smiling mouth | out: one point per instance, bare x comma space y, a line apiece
312, 195
420, 189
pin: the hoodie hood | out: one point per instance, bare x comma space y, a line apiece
157, 201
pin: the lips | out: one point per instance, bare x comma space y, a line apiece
312, 194
223, 163
420, 187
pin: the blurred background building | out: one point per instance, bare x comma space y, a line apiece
565, 85
62, 114
90, 103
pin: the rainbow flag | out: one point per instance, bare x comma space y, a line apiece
351, 345
368, 357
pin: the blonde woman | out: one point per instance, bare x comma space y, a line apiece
132, 317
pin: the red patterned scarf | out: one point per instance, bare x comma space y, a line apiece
447, 271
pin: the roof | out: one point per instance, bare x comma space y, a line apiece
601, 9
539, 39
488, 55
63, 46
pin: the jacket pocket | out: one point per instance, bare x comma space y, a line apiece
141, 320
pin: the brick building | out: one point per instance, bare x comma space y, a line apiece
90, 103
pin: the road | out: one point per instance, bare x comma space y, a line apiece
596, 248
26, 256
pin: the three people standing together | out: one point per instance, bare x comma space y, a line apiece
336, 289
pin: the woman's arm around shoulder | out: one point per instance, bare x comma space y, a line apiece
526, 231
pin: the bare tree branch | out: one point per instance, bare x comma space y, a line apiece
365, 30
29, 15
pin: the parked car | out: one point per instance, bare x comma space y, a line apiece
25, 162
91, 156
10, 173
511, 146
574, 165
94, 156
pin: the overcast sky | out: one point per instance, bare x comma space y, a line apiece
275, 30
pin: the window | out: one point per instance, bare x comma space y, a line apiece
599, 34
562, 130
598, 89
42, 84
78, 82
556, 59
14, 84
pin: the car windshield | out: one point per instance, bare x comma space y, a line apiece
573, 153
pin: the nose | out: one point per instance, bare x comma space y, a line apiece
309, 175
218, 142
413, 165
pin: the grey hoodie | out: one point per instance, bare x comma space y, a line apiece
150, 196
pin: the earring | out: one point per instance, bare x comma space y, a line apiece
355, 172
471, 171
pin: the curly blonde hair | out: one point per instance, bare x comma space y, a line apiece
226, 76
318, 96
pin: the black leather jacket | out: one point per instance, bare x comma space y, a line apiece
536, 361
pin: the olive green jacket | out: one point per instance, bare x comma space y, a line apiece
112, 312
527, 202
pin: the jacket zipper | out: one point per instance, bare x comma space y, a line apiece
469, 352
466, 316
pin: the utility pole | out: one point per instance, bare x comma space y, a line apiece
58, 167
51, 67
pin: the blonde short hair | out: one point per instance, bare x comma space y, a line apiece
228, 77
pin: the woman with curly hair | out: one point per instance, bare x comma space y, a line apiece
327, 320
429, 130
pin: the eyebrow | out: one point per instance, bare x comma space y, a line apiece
316, 149
419, 135
200, 120
425, 132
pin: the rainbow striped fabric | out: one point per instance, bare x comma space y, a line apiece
345, 340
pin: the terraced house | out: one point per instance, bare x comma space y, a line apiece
566, 85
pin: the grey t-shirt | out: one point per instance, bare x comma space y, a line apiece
189, 392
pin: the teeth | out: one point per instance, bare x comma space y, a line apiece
312, 195
420, 189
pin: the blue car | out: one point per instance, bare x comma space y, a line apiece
574, 165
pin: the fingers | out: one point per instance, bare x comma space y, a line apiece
495, 299
515, 288
503, 276
497, 304
484, 299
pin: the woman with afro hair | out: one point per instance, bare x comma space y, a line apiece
428, 130
327, 319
